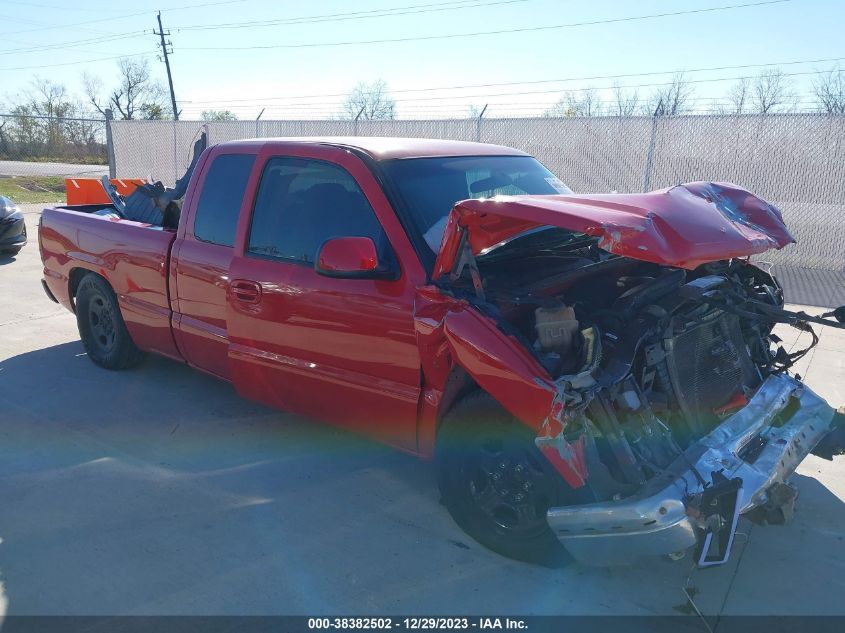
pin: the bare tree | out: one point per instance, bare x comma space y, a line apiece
4, 141
46, 121
49, 99
624, 102
577, 103
136, 94
372, 100
829, 89
771, 91
739, 96
562, 107
670, 99
474, 111
218, 115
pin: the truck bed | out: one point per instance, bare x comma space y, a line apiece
133, 257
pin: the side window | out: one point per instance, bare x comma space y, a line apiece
301, 203
217, 212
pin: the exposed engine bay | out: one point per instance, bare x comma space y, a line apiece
649, 358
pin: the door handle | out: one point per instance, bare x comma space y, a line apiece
245, 290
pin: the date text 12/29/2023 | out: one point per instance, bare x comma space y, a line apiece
416, 623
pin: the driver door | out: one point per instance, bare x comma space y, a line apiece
343, 350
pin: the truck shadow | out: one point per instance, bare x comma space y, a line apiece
117, 487
160, 491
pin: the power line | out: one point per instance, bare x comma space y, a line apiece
293, 21
124, 16
553, 91
353, 15
542, 81
497, 32
61, 45
377, 13
524, 107
513, 105
83, 61
60, 8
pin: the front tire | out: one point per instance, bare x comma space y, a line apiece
101, 325
496, 483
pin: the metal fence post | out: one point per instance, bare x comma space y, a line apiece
110, 144
649, 160
358, 116
257, 124
173, 125
478, 123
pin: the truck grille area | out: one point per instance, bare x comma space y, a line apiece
708, 364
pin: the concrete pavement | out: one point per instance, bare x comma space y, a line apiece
160, 491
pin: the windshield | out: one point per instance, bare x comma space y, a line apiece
431, 186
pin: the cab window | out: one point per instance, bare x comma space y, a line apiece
301, 203
216, 217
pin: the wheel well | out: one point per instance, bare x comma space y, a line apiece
74, 279
458, 385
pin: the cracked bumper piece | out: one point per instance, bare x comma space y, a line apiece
761, 445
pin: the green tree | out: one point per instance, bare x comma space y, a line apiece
218, 115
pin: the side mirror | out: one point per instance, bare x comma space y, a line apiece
351, 258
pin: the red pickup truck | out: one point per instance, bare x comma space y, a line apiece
597, 371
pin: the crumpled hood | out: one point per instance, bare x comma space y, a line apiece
683, 226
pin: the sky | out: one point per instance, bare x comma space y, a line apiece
289, 68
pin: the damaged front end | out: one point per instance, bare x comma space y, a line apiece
740, 466
671, 398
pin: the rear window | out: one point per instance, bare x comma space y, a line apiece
220, 201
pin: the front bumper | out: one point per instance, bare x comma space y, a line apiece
660, 519
12, 233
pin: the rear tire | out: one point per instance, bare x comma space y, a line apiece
496, 483
101, 325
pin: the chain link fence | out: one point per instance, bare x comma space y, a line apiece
37, 153
796, 161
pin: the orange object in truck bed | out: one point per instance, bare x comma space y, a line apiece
90, 190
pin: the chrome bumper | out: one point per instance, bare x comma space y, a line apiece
656, 521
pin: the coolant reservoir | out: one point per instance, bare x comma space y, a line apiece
556, 326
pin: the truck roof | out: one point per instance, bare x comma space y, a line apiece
383, 148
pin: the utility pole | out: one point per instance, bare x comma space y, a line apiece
164, 50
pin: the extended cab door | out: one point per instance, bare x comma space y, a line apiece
343, 350
201, 257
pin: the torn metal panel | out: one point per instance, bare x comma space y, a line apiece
683, 226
